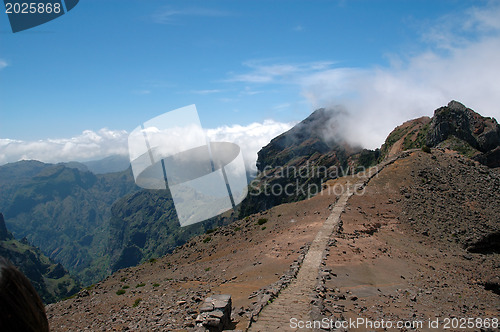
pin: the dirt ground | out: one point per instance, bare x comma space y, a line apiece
238, 259
385, 268
387, 263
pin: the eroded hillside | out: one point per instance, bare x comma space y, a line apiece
398, 255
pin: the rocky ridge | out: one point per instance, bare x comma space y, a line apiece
455, 127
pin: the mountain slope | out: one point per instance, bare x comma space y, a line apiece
383, 262
51, 281
111, 164
64, 211
144, 225
294, 165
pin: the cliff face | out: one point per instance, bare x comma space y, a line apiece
456, 121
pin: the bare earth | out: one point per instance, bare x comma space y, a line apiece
400, 255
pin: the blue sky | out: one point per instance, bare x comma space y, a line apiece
109, 65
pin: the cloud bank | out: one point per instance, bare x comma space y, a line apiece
250, 138
457, 60
453, 67
93, 145
89, 145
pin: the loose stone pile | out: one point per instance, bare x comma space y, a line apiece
215, 313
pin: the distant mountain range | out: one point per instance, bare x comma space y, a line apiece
111, 164
93, 224
64, 211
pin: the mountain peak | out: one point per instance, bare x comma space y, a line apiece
456, 106
457, 121
455, 127
319, 132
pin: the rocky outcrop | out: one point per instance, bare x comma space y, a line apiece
480, 133
457, 120
4, 233
455, 127
215, 313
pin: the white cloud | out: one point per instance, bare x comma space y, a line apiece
277, 73
463, 67
458, 60
206, 92
91, 145
3, 64
250, 138
172, 16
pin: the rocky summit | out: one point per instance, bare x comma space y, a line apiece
454, 126
456, 121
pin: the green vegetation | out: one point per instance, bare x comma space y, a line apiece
207, 269
125, 287
395, 136
419, 141
156, 285
120, 292
64, 211
140, 285
367, 158
209, 231
51, 281
261, 221
123, 279
460, 146
237, 229
426, 149
144, 225
136, 302
263, 228
207, 239
92, 224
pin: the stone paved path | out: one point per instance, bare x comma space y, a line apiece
295, 300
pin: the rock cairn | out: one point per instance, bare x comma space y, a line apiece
215, 313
